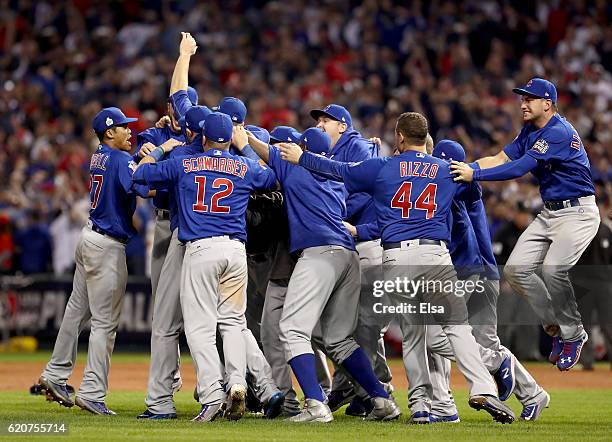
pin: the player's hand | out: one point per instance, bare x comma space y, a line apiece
163, 122
462, 172
188, 44
351, 229
146, 149
376, 141
290, 152
170, 144
240, 136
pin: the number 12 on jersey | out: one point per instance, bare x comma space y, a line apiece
426, 200
226, 186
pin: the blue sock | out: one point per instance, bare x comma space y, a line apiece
305, 371
359, 367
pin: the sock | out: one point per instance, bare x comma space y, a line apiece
359, 367
305, 371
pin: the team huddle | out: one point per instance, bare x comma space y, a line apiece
348, 218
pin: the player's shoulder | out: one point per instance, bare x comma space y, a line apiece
558, 131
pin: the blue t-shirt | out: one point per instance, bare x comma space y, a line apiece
213, 190
463, 246
192, 149
563, 169
315, 206
412, 192
157, 137
112, 193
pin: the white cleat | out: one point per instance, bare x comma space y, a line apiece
314, 411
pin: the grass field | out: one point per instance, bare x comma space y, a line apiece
575, 414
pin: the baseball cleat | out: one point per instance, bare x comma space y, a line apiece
56, 392
338, 398
274, 406
504, 378
148, 415
420, 417
314, 411
531, 412
571, 353
358, 407
492, 405
384, 410
98, 408
437, 418
236, 402
555, 351
209, 413
177, 384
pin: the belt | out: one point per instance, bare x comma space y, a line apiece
215, 237
102, 232
421, 242
558, 205
162, 214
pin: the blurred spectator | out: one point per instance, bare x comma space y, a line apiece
33, 245
7, 248
60, 62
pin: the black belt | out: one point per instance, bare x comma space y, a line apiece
162, 214
422, 242
558, 205
102, 232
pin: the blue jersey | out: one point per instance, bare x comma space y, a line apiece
478, 218
351, 148
463, 246
412, 192
213, 190
563, 169
315, 206
180, 103
192, 149
112, 193
157, 137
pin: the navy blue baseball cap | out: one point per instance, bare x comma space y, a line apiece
109, 117
218, 127
449, 150
193, 117
335, 112
284, 134
233, 107
315, 140
192, 94
260, 133
539, 88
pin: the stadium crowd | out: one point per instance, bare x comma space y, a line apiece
456, 62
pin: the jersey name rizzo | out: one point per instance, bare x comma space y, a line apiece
418, 168
225, 165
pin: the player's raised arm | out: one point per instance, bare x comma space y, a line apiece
180, 75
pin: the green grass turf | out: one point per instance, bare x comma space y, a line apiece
573, 415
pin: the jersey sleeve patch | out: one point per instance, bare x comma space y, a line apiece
540, 146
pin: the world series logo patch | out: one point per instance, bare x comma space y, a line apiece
540, 146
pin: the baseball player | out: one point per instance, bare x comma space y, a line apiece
348, 145
472, 253
324, 284
101, 273
167, 254
213, 190
280, 271
412, 195
550, 148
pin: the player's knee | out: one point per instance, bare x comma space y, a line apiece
516, 273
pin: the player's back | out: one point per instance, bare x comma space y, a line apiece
413, 195
213, 189
112, 204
